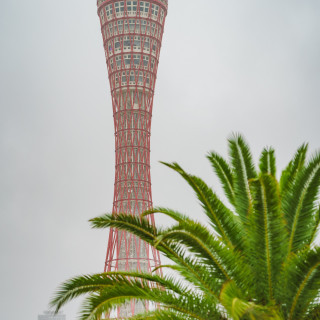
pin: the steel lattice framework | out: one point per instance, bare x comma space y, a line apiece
132, 33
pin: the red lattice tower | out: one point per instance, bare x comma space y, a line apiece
132, 34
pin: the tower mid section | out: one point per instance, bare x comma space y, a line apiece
132, 34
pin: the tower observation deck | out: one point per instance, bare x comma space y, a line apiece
132, 33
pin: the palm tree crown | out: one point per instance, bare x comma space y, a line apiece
255, 259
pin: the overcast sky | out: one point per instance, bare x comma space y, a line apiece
248, 66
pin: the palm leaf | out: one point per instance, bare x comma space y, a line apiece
122, 221
303, 282
267, 235
268, 162
81, 285
243, 171
299, 205
315, 228
160, 315
144, 230
259, 262
175, 215
289, 175
200, 248
224, 173
222, 219
78, 286
200, 277
239, 308
211, 252
314, 313
105, 301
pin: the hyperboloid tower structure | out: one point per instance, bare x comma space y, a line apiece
132, 34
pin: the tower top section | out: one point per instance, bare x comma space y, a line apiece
163, 3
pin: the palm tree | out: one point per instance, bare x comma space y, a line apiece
255, 259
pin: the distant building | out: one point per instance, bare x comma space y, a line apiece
49, 315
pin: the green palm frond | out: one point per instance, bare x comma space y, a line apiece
134, 224
211, 252
174, 252
267, 235
116, 288
161, 315
167, 282
203, 279
224, 173
175, 215
299, 205
239, 308
222, 219
232, 300
86, 284
303, 282
78, 286
289, 175
258, 262
192, 270
313, 313
195, 244
315, 230
105, 301
243, 171
268, 162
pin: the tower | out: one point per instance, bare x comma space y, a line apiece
132, 34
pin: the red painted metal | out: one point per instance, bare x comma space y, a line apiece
132, 33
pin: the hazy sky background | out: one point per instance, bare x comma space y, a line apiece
248, 66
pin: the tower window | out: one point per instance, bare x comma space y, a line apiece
119, 7
154, 11
145, 61
118, 61
161, 15
131, 7
109, 11
144, 7
132, 25
120, 26
126, 42
102, 16
132, 78
117, 44
110, 29
136, 60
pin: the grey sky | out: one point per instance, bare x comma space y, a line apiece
246, 66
